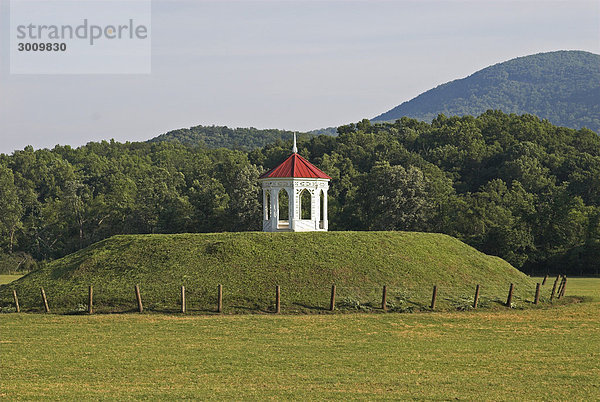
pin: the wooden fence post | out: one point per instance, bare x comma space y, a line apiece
537, 294
476, 300
46, 308
545, 279
554, 288
384, 298
560, 286
277, 299
16, 301
332, 301
182, 299
562, 291
434, 297
219, 298
90, 300
510, 295
138, 296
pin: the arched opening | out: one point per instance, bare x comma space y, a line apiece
322, 205
321, 209
305, 212
284, 209
267, 205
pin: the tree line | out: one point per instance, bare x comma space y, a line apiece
512, 186
244, 139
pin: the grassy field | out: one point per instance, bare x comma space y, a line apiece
546, 353
4, 279
249, 265
586, 287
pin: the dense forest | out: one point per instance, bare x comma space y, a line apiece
562, 87
512, 186
244, 139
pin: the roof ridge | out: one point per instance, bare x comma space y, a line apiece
294, 166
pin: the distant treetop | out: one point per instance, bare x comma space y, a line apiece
244, 139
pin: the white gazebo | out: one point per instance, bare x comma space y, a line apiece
295, 196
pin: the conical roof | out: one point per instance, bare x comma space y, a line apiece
295, 166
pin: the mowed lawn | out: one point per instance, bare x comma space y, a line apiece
8, 278
546, 353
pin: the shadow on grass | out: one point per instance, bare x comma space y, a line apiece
420, 305
310, 307
254, 309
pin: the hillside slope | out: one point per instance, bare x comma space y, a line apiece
250, 264
245, 139
563, 87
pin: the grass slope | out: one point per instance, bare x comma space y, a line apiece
559, 86
249, 265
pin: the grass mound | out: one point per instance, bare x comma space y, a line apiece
249, 265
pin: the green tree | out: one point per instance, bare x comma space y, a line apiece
209, 201
11, 210
75, 202
244, 210
494, 220
396, 198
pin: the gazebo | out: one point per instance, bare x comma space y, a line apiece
295, 196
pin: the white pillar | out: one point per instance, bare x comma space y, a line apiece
313, 206
316, 201
293, 207
275, 209
325, 223
272, 200
265, 205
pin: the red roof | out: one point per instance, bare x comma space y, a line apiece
295, 166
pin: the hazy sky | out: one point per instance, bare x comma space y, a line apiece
283, 64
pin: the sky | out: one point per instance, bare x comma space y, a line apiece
296, 65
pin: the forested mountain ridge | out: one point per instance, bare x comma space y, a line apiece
512, 186
244, 139
562, 87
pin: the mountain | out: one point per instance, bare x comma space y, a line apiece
245, 139
562, 87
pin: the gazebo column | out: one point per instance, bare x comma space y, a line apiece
274, 208
315, 207
266, 206
294, 202
325, 223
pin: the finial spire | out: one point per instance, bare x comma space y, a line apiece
295, 148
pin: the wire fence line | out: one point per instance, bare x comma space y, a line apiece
334, 298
